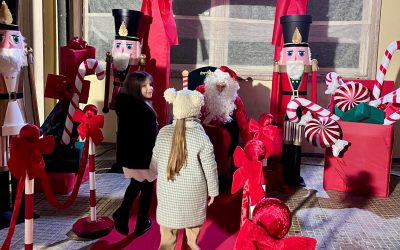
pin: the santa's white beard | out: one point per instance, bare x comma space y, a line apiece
295, 69
220, 105
11, 61
121, 61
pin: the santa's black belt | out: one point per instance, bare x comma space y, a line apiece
294, 93
12, 96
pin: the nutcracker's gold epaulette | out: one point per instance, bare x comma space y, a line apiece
314, 65
276, 66
142, 60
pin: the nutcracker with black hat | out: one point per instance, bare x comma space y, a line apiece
290, 79
131, 29
12, 108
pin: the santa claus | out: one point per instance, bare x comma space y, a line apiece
223, 117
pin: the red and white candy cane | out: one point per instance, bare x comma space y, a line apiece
185, 74
315, 108
380, 75
392, 97
87, 67
333, 80
394, 117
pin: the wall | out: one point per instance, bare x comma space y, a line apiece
256, 93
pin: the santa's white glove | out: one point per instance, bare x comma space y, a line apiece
338, 147
332, 87
306, 118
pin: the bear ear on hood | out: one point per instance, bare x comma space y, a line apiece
197, 98
170, 95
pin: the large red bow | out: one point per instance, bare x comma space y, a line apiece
253, 236
26, 152
77, 43
249, 171
91, 123
266, 134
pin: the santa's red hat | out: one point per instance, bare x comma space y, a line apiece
225, 71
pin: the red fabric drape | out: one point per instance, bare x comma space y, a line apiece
283, 8
162, 36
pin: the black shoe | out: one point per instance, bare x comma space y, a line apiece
116, 168
142, 226
121, 224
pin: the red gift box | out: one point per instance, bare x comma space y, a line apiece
62, 88
364, 166
73, 54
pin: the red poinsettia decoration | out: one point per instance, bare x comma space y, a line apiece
265, 131
250, 169
26, 152
271, 222
91, 123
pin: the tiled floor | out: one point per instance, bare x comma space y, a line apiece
336, 220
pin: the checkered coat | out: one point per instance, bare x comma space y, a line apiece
183, 203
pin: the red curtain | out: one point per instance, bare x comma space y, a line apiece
162, 35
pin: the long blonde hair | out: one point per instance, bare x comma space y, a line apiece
178, 153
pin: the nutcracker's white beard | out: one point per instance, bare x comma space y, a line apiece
11, 61
295, 69
219, 106
121, 61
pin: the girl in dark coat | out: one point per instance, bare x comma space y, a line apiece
137, 131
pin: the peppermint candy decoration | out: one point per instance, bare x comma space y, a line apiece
323, 132
350, 95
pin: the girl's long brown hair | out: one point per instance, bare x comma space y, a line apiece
178, 153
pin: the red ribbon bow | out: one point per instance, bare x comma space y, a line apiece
265, 133
253, 236
250, 170
91, 123
26, 152
77, 43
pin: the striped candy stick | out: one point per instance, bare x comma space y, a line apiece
92, 181
380, 75
185, 75
87, 67
315, 108
29, 195
392, 97
394, 117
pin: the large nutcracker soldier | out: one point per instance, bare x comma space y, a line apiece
12, 112
290, 77
131, 28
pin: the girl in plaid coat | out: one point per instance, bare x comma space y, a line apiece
183, 157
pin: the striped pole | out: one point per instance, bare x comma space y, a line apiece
380, 75
185, 74
92, 184
29, 191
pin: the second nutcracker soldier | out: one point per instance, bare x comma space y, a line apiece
290, 78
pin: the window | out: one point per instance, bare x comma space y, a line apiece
343, 35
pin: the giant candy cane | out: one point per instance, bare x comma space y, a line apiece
380, 75
333, 81
315, 108
87, 67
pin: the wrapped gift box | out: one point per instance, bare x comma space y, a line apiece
364, 166
362, 113
71, 58
62, 88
